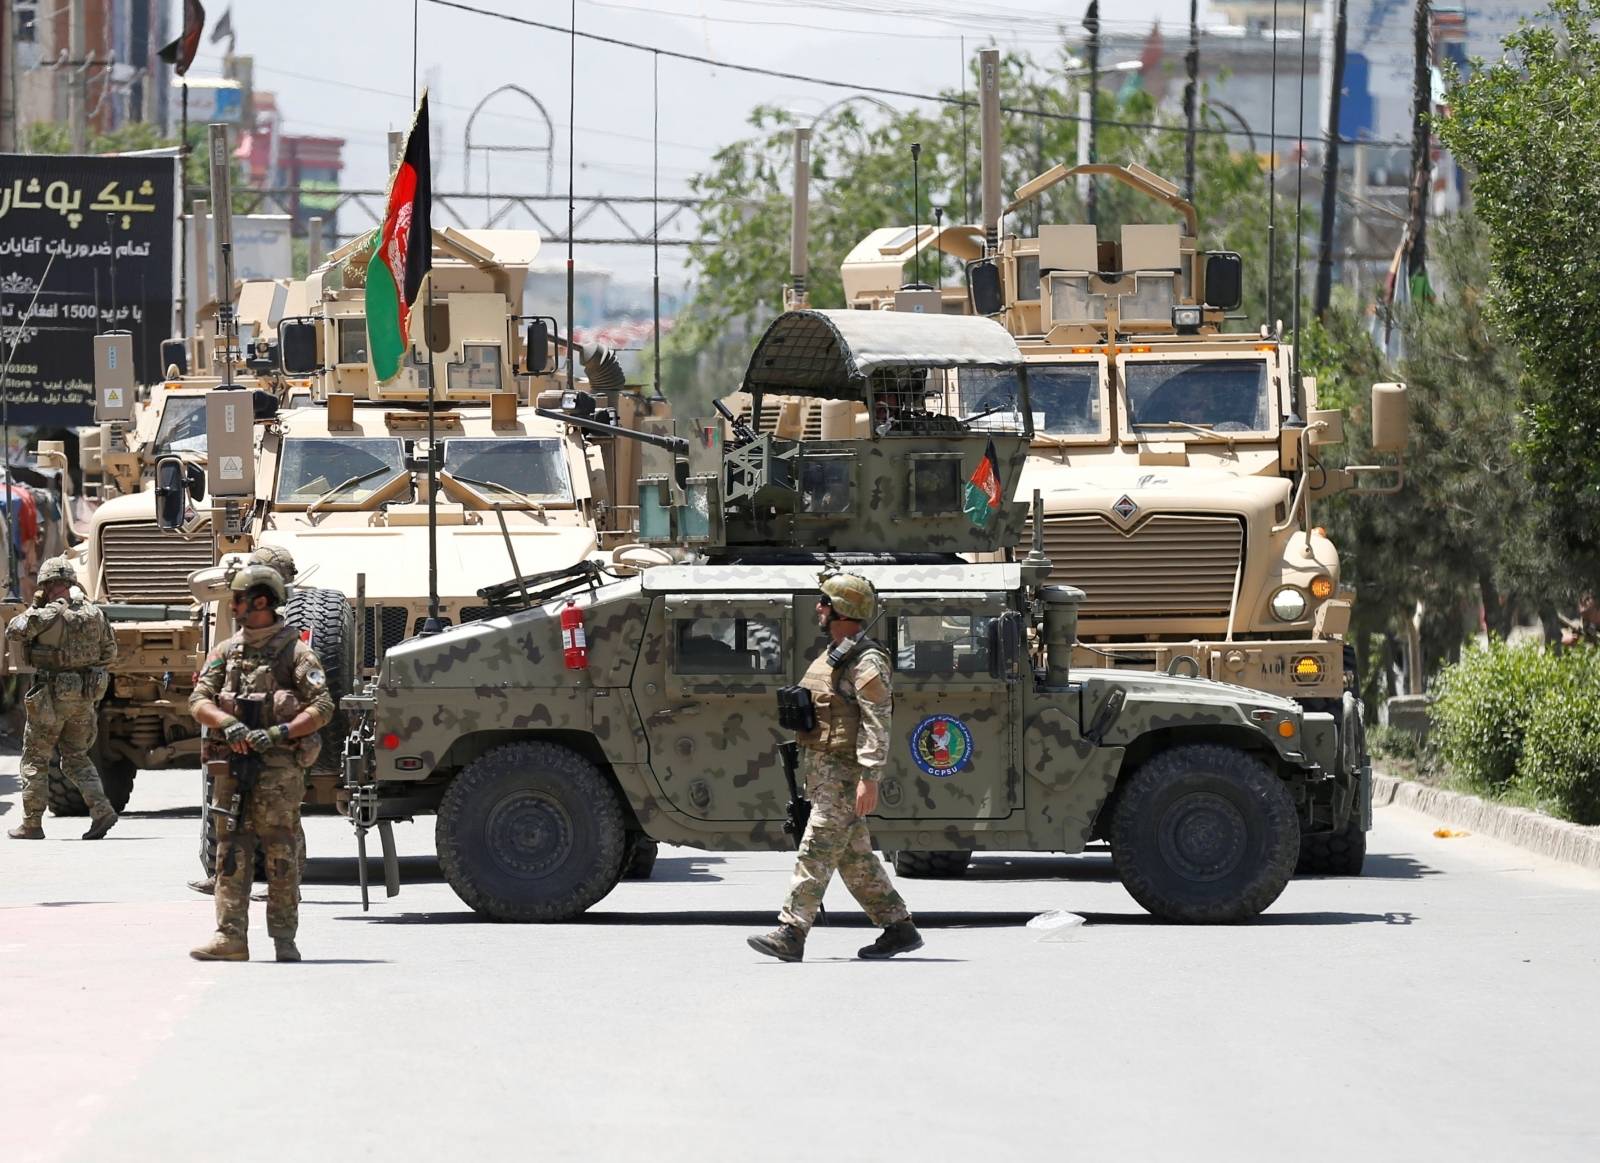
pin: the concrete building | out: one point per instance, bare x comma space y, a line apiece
87, 64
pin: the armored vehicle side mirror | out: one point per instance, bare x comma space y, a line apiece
1224, 287
1007, 646
171, 483
297, 347
175, 353
983, 286
1391, 420
537, 347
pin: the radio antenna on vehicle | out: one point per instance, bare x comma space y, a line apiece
1272, 166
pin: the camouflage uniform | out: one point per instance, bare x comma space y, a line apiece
850, 743
69, 644
274, 663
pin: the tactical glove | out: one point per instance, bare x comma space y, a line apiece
265, 738
235, 732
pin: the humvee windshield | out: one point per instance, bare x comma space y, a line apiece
1065, 397
183, 425
535, 468
311, 466
1226, 395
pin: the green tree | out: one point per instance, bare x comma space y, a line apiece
1529, 129
1461, 536
861, 179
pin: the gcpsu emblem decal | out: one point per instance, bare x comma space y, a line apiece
941, 746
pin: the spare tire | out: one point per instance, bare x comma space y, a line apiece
332, 625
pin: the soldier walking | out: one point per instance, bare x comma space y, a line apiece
265, 665
68, 642
842, 759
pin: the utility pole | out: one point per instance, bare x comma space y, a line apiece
1091, 24
1330, 166
1421, 141
78, 77
1191, 97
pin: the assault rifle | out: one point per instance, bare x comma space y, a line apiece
245, 771
799, 809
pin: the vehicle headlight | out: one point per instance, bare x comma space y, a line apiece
1288, 604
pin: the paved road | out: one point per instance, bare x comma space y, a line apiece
1438, 1008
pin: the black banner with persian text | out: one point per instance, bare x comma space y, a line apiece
87, 243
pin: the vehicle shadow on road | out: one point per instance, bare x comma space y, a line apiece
1395, 866
1265, 919
1094, 867
346, 870
190, 813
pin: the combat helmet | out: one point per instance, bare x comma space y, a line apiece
851, 596
278, 558
258, 576
57, 569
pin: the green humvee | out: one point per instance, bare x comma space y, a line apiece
545, 763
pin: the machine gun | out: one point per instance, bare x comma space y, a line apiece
742, 432
798, 813
245, 771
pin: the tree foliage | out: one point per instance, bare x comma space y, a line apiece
861, 179
1529, 129
1461, 536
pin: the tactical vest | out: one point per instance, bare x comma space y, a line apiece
71, 641
837, 708
268, 670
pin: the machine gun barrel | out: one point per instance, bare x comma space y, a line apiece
673, 444
741, 429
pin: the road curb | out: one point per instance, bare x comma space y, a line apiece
1557, 839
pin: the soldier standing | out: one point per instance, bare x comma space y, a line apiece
282, 560
68, 642
266, 664
842, 760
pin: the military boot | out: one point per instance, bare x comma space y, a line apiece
786, 943
27, 830
222, 947
900, 937
101, 825
285, 949
208, 886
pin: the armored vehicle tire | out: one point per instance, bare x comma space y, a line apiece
1341, 853
639, 857
931, 865
1204, 834
327, 614
116, 777
530, 832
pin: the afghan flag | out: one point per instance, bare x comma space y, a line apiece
983, 488
402, 254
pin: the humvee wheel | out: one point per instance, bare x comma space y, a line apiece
639, 857
63, 793
1341, 853
530, 832
1204, 834
931, 865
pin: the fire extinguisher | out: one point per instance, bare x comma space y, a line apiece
574, 644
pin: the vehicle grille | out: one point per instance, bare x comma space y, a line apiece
1170, 566
390, 623
143, 564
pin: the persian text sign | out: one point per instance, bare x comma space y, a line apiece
102, 227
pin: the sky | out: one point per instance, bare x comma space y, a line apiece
344, 68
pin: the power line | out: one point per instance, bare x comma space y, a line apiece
803, 78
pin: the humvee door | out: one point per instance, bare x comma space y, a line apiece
711, 719
952, 748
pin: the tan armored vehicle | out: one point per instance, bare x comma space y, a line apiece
586, 711
1178, 462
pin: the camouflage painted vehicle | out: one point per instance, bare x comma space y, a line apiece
546, 752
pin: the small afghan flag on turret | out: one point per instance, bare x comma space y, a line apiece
983, 488
402, 254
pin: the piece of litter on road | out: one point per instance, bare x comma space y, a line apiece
1056, 924
1449, 833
